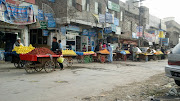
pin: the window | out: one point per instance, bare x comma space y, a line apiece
96, 7
99, 8
74, 3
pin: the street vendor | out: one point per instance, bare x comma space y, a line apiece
18, 43
55, 44
110, 56
136, 51
84, 48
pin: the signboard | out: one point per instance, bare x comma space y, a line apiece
108, 30
52, 0
90, 32
19, 15
73, 28
139, 31
118, 30
116, 21
113, 6
113, 27
109, 18
165, 41
134, 35
40, 16
45, 32
43, 25
50, 20
101, 18
85, 32
161, 34
149, 37
63, 30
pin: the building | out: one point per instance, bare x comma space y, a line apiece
80, 22
173, 31
15, 24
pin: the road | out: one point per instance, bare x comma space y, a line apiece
75, 83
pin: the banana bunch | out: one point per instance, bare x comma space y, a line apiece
90, 52
23, 49
68, 52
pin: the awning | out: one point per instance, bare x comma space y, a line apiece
96, 17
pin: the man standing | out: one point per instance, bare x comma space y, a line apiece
60, 45
135, 49
55, 45
18, 43
110, 56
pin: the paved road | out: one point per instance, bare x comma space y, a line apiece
74, 83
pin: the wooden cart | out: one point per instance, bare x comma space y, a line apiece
36, 63
100, 57
85, 58
68, 60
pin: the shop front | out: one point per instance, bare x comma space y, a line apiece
88, 39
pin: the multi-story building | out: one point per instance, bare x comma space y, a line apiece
173, 31
80, 22
14, 23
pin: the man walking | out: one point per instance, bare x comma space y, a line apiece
110, 56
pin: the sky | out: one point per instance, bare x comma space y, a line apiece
163, 8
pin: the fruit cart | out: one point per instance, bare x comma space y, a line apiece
84, 57
146, 56
68, 60
159, 55
101, 56
36, 63
68, 57
123, 54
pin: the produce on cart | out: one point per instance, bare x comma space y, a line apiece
159, 54
68, 55
101, 56
39, 59
20, 50
85, 57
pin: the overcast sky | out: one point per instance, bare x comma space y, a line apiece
163, 8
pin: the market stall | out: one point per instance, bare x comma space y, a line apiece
101, 56
68, 55
122, 54
39, 59
85, 57
145, 56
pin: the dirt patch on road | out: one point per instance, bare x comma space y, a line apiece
154, 89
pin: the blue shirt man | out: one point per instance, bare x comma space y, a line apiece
60, 45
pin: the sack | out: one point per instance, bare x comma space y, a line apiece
60, 59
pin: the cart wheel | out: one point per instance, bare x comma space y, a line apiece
38, 69
22, 64
79, 60
16, 65
103, 59
49, 66
70, 63
29, 68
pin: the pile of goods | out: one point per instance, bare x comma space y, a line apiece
69, 52
91, 52
41, 51
80, 53
23, 49
158, 53
105, 51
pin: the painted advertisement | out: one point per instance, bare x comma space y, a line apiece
19, 15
